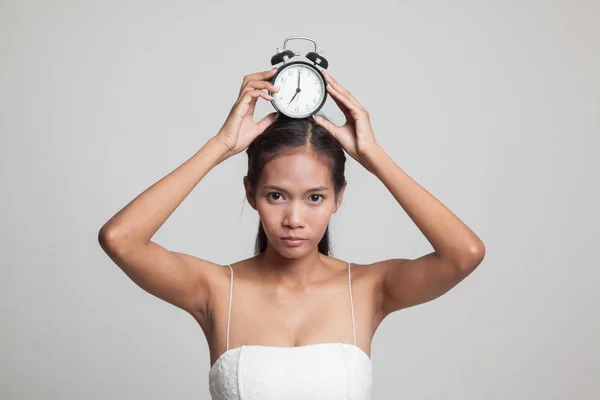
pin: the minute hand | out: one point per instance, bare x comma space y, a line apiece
298, 90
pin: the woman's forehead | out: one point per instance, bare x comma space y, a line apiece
296, 168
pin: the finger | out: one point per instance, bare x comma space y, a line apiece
266, 121
259, 85
337, 86
261, 76
346, 105
247, 103
251, 96
329, 127
334, 95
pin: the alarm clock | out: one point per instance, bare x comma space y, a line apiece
301, 84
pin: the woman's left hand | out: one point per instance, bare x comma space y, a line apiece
356, 135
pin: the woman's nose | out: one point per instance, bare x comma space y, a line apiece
293, 215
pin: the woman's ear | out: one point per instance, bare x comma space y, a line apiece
249, 195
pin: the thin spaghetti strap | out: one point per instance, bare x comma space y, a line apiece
351, 303
229, 312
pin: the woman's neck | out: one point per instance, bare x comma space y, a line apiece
292, 273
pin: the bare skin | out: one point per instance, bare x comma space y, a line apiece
290, 296
319, 313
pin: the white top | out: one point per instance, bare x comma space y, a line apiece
318, 371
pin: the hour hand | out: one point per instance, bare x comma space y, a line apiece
295, 94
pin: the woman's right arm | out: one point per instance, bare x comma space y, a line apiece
177, 278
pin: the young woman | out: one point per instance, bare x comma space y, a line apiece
297, 323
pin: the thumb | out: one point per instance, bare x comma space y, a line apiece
329, 127
266, 121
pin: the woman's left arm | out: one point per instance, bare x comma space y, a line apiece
401, 282
453, 241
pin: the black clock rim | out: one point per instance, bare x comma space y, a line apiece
281, 68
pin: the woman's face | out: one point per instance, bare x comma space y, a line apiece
294, 197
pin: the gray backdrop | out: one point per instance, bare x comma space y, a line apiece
491, 106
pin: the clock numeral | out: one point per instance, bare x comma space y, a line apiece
283, 79
290, 72
297, 109
307, 107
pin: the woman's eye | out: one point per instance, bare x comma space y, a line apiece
312, 196
271, 194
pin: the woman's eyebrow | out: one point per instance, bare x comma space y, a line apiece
316, 189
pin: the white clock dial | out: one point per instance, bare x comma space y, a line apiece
303, 102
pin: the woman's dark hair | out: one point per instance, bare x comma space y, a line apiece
288, 135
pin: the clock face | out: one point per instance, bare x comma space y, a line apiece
301, 90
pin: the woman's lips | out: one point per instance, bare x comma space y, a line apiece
294, 243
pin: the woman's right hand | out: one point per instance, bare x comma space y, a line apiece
239, 129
